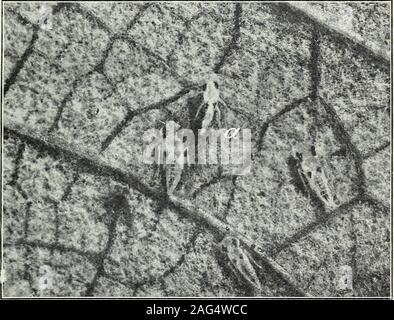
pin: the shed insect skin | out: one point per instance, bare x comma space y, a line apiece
173, 171
211, 98
312, 168
240, 262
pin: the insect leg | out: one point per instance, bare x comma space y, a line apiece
199, 109
222, 102
219, 115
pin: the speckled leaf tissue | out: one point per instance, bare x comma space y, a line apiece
85, 215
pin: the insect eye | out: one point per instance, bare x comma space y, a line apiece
204, 87
216, 84
309, 174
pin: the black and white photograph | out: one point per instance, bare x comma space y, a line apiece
196, 149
